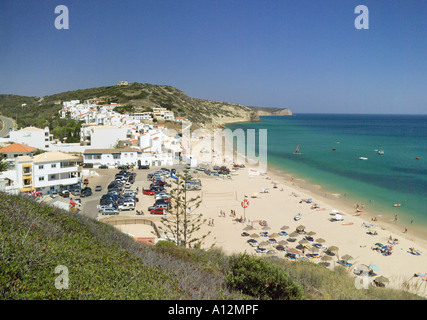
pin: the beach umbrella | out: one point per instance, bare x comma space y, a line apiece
314, 250
303, 242
374, 267
284, 228
264, 243
247, 228
254, 235
300, 227
363, 268
333, 248
379, 244
283, 242
293, 234
346, 257
292, 250
275, 234
311, 233
382, 279
266, 228
320, 240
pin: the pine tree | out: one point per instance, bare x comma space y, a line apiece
181, 223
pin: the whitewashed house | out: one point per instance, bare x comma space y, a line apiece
47, 172
111, 157
102, 137
32, 136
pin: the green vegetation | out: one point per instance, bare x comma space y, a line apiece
137, 97
258, 278
104, 263
181, 223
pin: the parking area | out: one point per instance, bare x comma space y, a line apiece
90, 205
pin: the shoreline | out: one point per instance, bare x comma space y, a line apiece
419, 233
279, 206
348, 206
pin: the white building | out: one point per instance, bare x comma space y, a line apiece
32, 136
111, 157
102, 137
46, 172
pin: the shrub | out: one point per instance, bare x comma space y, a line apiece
260, 279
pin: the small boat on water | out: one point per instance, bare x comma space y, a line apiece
381, 152
363, 158
397, 205
297, 150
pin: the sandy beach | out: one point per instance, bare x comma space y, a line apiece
278, 207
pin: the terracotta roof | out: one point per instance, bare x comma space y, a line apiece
17, 147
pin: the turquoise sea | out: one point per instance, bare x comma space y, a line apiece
379, 182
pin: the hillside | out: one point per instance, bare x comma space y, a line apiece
104, 263
137, 97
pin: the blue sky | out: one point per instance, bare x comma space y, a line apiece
305, 55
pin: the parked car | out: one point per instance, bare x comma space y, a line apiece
157, 211
144, 167
148, 192
86, 181
109, 211
103, 166
98, 188
127, 206
53, 194
129, 193
64, 193
75, 192
159, 205
86, 192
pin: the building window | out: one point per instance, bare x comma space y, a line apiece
40, 166
53, 165
41, 178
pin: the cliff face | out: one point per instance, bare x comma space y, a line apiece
272, 111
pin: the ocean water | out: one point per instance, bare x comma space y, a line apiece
379, 182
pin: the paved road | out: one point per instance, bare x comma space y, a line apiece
6, 124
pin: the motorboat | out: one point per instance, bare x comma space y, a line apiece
363, 158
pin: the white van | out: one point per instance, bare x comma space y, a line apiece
126, 206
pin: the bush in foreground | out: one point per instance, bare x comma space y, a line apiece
258, 278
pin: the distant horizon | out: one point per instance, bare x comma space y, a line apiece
302, 55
